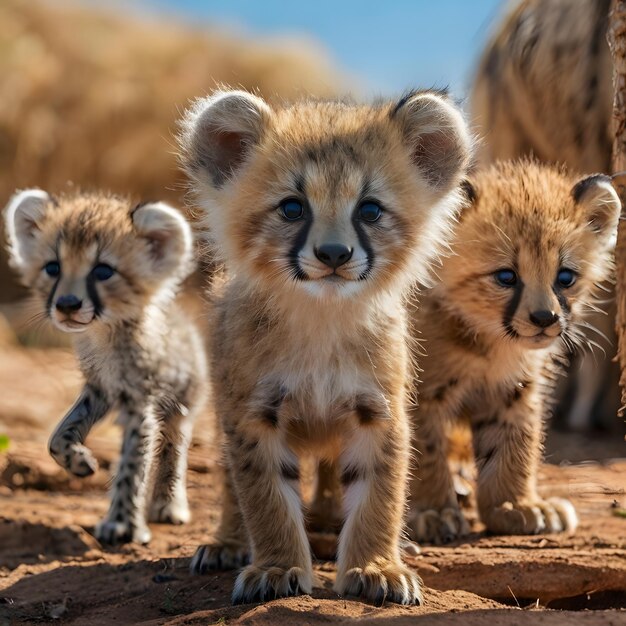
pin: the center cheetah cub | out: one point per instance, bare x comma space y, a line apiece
528, 255
109, 274
323, 213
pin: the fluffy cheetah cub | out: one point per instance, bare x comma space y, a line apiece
108, 273
323, 213
528, 254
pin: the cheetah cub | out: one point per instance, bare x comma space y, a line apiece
529, 252
323, 213
109, 273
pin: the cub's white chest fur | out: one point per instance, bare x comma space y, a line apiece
327, 362
321, 382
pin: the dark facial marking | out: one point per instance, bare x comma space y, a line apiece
92, 292
364, 240
51, 294
361, 230
563, 301
511, 308
298, 244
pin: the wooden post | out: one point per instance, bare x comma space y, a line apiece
617, 44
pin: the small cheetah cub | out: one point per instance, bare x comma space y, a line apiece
109, 273
529, 252
323, 214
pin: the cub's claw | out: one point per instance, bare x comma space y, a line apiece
219, 556
267, 583
394, 582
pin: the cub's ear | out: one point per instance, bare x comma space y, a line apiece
438, 137
168, 235
218, 133
22, 216
601, 203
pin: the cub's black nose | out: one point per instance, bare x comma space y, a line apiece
68, 304
333, 254
543, 319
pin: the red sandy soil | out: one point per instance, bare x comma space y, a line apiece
53, 570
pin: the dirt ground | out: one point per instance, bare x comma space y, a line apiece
53, 570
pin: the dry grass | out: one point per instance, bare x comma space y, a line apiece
90, 98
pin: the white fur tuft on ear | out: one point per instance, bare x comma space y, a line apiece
169, 238
218, 131
437, 135
603, 206
21, 216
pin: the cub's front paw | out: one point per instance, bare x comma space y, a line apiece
112, 532
169, 511
437, 527
554, 515
75, 458
394, 582
267, 583
219, 556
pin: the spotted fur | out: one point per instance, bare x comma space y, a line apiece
308, 355
490, 347
139, 352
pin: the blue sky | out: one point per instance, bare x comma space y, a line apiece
388, 45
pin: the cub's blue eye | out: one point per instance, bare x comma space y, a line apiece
566, 278
370, 212
102, 271
291, 209
506, 278
52, 268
